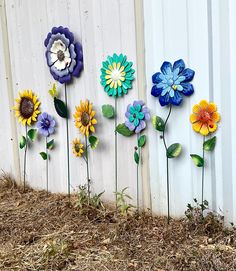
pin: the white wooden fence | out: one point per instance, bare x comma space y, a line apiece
150, 31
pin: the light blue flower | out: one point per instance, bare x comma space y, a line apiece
172, 83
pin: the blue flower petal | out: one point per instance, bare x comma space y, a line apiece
172, 93
156, 91
166, 68
187, 89
177, 99
189, 74
164, 100
179, 64
156, 78
165, 90
179, 80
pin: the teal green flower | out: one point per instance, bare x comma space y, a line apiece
117, 75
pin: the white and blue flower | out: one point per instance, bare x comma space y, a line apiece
172, 83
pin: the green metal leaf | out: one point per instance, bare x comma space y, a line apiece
209, 145
174, 150
22, 142
123, 130
136, 157
93, 140
142, 141
108, 111
158, 123
32, 134
50, 144
197, 160
61, 108
44, 155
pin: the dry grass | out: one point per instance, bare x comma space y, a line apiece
40, 232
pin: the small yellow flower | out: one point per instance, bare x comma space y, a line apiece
26, 108
84, 118
78, 147
204, 118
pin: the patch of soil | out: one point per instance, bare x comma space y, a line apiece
47, 232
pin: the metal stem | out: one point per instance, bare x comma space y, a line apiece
47, 163
116, 175
203, 172
26, 147
137, 173
87, 166
167, 167
68, 149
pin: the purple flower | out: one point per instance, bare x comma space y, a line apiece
64, 55
136, 115
46, 124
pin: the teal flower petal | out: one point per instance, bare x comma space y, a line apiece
140, 115
136, 122
132, 110
131, 118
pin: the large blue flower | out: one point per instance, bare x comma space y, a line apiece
64, 55
172, 83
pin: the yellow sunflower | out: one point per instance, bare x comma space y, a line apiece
26, 108
84, 118
204, 118
78, 147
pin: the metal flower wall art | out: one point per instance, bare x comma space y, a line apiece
65, 60
204, 119
137, 115
85, 121
27, 111
46, 127
170, 86
117, 76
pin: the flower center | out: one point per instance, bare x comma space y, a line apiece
26, 108
115, 75
174, 87
204, 116
134, 115
60, 55
85, 118
47, 123
77, 147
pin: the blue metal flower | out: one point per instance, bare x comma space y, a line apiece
136, 115
46, 124
172, 83
64, 55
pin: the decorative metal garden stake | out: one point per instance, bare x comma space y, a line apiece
170, 85
65, 60
204, 120
46, 127
116, 79
137, 114
85, 120
26, 110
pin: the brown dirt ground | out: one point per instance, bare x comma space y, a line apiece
45, 232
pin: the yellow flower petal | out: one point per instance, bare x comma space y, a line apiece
108, 72
204, 104
193, 118
212, 127
212, 107
204, 130
197, 126
196, 108
107, 76
115, 85
92, 129
94, 121
215, 117
114, 65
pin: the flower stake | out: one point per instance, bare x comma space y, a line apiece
170, 85
46, 127
204, 120
116, 79
27, 110
85, 120
65, 60
137, 114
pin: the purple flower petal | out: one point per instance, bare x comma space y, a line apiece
130, 125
